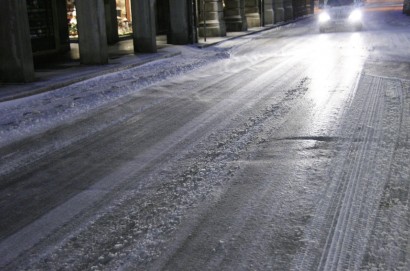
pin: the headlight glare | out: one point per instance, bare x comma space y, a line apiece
355, 16
324, 17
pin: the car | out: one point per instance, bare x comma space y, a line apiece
341, 14
406, 7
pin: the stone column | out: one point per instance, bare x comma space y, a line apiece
92, 37
143, 26
279, 11
111, 21
299, 8
252, 13
211, 20
310, 5
235, 15
179, 29
63, 40
268, 13
192, 22
16, 57
288, 5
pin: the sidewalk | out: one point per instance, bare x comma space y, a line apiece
121, 57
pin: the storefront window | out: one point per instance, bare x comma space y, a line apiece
124, 17
72, 19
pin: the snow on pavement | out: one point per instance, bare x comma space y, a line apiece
33, 115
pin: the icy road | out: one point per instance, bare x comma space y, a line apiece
284, 150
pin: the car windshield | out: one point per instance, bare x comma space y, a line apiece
337, 3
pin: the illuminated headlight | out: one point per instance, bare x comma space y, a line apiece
324, 17
355, 16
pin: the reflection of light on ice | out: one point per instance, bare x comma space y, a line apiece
323, 63
334, 64
354, 53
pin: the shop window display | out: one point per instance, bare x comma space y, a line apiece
72, 19
124, 17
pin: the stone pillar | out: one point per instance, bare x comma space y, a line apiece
235, 15
299, 8
16, 57
288, 9
279, 11
179, 29
312, 6
192, 22
63, 40
211, 20
143, 26
268, 13
321, 3
111, 21
252, 13
92, 37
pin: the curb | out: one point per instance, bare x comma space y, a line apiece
80, 78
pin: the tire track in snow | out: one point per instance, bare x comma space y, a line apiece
351, 202
389, 245
339, 233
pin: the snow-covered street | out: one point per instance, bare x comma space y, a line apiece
287, 149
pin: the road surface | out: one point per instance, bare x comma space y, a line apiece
291, 152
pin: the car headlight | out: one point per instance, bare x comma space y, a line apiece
355, 16
324, 17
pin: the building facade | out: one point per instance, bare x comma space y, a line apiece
31, 30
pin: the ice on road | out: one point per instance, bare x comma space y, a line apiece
283, 150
